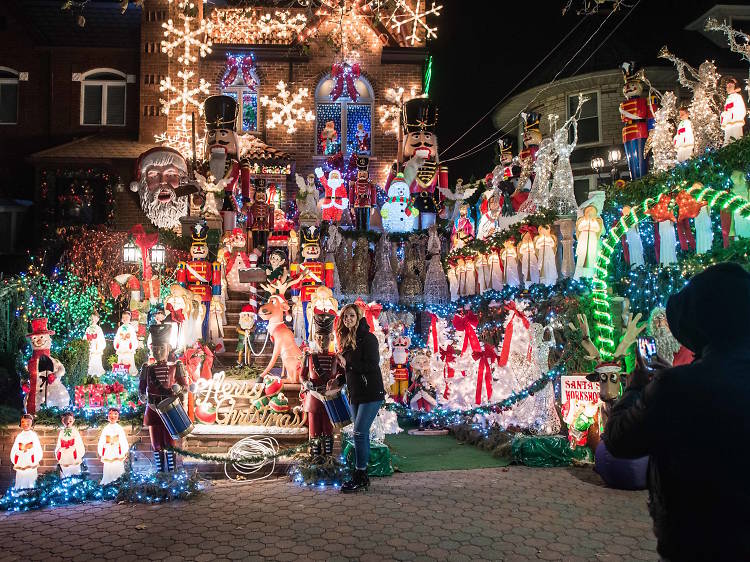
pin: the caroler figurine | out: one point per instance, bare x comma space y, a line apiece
113, 448
161, 386
97, 344
362, 194
320, 368
26, 454
126, 342
70, 449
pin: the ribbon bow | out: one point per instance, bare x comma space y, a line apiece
344, 74
505, 352
144, 242
661, 212
433, 336
90, 336
241, 63
467, 322
447, 355
689, 207
371, 311
67, 443
486, 358
177, 315
528, 229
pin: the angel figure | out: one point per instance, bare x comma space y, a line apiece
458, 197
307, 199
213, 195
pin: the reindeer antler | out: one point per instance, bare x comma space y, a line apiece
586, 343
277, 287
631, 333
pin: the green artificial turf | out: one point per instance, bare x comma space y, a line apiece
415, 453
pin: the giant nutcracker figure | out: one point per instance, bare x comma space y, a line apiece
161, 381
260, 218
222, 154
362, 194
422, 169
532, 137
311, 273
201, 277
637, 114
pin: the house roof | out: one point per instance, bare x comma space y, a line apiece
106, 25
93, 147
255, 150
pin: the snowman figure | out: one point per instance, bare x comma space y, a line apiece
399, 215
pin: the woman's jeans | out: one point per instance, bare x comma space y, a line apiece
364, 415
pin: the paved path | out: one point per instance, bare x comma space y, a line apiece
515, 513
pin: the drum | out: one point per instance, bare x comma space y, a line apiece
174, 417
337, 407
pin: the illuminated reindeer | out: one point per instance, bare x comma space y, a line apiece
608, 374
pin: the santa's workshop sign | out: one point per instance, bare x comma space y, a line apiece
577, 389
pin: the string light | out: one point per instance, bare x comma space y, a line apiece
236, 26
286, 108
390, 112
662, 143
413, 20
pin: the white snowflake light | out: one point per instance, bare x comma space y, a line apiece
286, 108
183, 95
414, 20
390, 112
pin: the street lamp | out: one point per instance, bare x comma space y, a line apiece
158, 254
613, 156
131, 254
597, 163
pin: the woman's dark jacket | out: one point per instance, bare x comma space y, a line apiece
694, 422
363, 376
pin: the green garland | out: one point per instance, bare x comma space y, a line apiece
251, 459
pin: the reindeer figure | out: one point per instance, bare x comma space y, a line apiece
282, 338
608, 374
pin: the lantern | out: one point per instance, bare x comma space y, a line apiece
130, 253
614, 155
597, 163
158, 254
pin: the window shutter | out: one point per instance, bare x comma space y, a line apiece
92, 105
115, 105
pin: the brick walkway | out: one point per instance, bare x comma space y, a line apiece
490, 514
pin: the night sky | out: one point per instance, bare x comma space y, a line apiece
481, 53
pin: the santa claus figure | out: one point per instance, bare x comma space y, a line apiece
26, 454
69, 449
733, 116
160, 171
335, 200
126, 343
97, 343
113, 448
668, 348
422, 170
45, 372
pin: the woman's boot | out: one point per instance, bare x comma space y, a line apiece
358, 482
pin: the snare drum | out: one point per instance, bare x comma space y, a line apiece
337, 407
173, 415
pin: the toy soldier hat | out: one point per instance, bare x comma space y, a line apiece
199, 232
310, 236
506, 146
363, 162
324, 323
160, 333
220, 112
419, 114
39, 328
531, 120
631, 71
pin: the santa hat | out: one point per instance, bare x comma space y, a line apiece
279, 403
272, 385
159, 156
249, 309
39, 328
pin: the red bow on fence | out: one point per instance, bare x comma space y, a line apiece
343, 74
467, 322
505, 352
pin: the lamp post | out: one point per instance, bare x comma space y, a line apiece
613, 157
597, 163
158, 255
131, 254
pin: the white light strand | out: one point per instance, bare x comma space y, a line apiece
286, 108
662, 139
249, 26
391, 111
414, 20
252, 447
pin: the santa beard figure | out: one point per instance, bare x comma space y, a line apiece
160, 171
162, 206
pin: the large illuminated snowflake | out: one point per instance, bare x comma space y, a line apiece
413, 20
184, 95
286, 108
390, 112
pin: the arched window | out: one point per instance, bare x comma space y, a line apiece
103, 93
241, 81
343, 119
8, 96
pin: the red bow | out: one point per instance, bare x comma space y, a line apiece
344, 74
144, 242
90, 337
527, 228
433, 332
371, 311
67, 444
505, 352
177, 315
485, 357
244, 64
467, 322
447, 355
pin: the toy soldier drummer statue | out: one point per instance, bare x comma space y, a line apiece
362, 194
159, 381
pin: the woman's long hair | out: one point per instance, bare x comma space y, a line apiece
346, 338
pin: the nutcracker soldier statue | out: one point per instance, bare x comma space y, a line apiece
637, 114
362, 194
200, 276
260, 218
222, 154
158, 382
532, 137
422, 170
311, 273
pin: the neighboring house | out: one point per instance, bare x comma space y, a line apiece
600, 79
78, 105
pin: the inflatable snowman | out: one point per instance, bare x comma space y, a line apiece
399, 215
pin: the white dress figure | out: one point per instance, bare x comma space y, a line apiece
113, 449
667, 243
529, 262
483, 277
97, 344
126, 343
588, 230
461, 275
539, 195
509, 258
471, 278
562, 198
546, 253
633, 242
733, 116
704, 234
453, 282
495, 271
25, 455
741, 225
69, 449
684, 140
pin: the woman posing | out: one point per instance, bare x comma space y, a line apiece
359, 355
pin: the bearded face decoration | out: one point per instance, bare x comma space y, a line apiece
160, 172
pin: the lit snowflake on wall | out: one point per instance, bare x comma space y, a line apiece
413, 20
286, 108
390, 112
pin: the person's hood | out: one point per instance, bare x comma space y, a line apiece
712, 309
363, 327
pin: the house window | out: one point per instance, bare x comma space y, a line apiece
241, 81
8, 96
589, 126
103, 93
582, 185
343, 119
